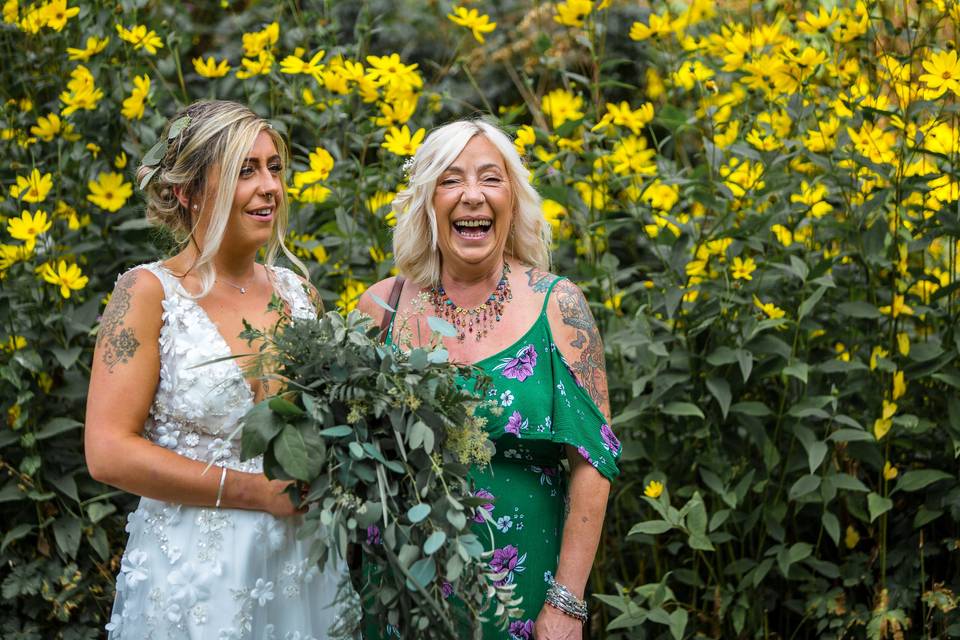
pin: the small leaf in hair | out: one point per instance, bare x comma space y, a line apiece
155, 155
178, 126
146, 178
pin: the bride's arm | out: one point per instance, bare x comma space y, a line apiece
123, 381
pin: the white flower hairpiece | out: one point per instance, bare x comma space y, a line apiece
407, 166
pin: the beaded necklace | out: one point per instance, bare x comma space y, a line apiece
478, 320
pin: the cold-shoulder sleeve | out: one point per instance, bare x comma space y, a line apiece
578, 422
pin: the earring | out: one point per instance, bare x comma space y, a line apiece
195, 207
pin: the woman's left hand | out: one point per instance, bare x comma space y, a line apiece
551, 624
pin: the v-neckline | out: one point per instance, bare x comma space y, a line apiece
213, 325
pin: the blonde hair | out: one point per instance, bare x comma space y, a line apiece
529, 237
218, 138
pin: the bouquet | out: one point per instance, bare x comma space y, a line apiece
379, 442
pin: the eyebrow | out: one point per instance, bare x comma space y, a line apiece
275, 156
481, 168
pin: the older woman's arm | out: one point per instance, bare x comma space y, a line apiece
578, 339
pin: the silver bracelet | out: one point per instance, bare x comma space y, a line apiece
223, 478
561, 598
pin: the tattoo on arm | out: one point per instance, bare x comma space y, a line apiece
538, 280
590, 368
117, 342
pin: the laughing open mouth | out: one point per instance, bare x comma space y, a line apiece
261, 213
473, 228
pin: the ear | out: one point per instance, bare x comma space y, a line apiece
182, 197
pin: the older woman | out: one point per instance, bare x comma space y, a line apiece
472, 247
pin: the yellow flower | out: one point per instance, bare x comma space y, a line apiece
742, 269
899, 386
11, 11
525, 137
897, 308
259, 66
33, 188
771, 310
27, 227
294, 65
109, 191
13, 343
389, 70
622, 116
93, 148
350, 294
398, 112
877, 353
658, 26
813, 196
818, 23
120, 161
943, 73
556, 214
572, 12
94, 46
133, 104
889, 471
12, 254
56, 13
259, 41
661, 196
784, 235
560, 106
471, 19
613, 303
140, 37
690, 73
82, 92
400, 142
841, 350
851, 538
903, 343
68, 278
653, 489
881, 427
48, 127
211, 68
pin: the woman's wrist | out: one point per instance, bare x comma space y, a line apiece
561, 598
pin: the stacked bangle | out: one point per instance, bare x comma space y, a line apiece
223, 478
559, 597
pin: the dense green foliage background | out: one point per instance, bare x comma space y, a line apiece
770, 247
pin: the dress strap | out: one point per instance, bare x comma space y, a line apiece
167, 280
386, 329
546, 298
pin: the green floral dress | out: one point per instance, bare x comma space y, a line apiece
541, 408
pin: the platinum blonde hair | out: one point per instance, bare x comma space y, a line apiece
415, 248
211, 150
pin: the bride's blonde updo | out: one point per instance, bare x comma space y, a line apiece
209, 150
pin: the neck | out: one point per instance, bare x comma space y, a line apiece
235, 265
471, 287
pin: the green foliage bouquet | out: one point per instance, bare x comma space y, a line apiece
379, 442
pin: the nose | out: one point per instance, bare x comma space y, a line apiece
269, 186
472, 194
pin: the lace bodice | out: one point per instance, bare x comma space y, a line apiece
202, 393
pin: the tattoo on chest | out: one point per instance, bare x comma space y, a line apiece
590, 368
538, 280
117, 342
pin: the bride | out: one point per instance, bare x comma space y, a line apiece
212, 550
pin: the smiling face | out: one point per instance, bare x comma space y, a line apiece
259, 190
473, 201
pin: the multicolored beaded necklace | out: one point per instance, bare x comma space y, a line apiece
479, 320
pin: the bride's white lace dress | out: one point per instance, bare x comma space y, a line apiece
205, 573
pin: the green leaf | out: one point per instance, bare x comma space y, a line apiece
682, 409
678, 623
441, 326
177, 127
56, 426
798, 370
291, 451
807, 305
745, 360
66, 357
816, 452
850, 435
154, 155
919, 479
15, 534
260, 426
66, 531
846, 481
696, 519
423, 572
804, 485
751, 408
720, 389
418, 512
335, 432
859, 309
878, 505
650, 527
434, 542
832, 526
418, 359
285, 408
97, 511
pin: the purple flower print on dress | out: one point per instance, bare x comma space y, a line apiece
373, 535
516, 423
610, 442
586, 454
521, 367
507, 559
483, 493
446, 589
521, 630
